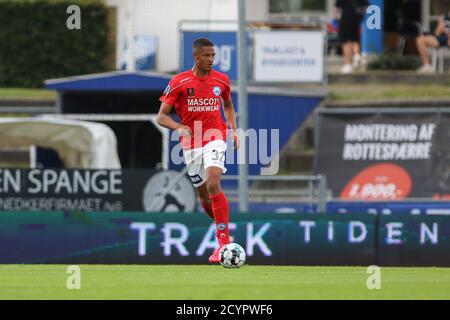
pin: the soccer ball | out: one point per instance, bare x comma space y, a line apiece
232, 255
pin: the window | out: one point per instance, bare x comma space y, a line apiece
296, 6
439, 7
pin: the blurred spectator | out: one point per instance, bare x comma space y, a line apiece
440, 38
351, 15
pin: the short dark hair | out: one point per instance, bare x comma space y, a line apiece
202, 42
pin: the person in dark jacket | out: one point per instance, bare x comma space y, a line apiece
352, 13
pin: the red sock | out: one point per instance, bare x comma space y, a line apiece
207, 207
219, 205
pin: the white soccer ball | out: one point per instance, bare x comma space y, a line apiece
232, 255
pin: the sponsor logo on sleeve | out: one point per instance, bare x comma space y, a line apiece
167, 90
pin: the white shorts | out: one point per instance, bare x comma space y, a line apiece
199, 159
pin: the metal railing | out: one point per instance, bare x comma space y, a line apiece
318, 180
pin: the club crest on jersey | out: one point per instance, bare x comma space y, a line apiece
190, 92
216, 91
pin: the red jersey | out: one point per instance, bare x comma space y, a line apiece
197, 103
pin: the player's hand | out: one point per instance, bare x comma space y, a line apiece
184, 131
235, 138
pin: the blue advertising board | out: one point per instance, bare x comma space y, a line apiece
225, 43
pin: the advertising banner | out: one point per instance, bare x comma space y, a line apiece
183, 238
288, 56
384, 155
405, 240
95, 190
188, 238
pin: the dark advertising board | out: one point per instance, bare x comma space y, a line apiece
385, 155
188, 238
174, 238
95, 190
405, 240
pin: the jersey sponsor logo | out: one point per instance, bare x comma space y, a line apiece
203, 109
203, 105
216, 91
203, 102
166, 91
190, 92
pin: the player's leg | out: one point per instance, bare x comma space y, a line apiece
214, 163
219, 204
194, 162
203, 197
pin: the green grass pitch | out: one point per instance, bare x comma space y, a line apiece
169, 282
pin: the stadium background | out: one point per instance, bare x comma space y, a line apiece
65, 202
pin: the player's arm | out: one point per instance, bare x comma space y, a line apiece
165, 120
230, 115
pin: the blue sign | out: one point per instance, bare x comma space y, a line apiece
144, 53
225, 44
373, 28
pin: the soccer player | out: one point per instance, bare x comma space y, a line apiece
196, 95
